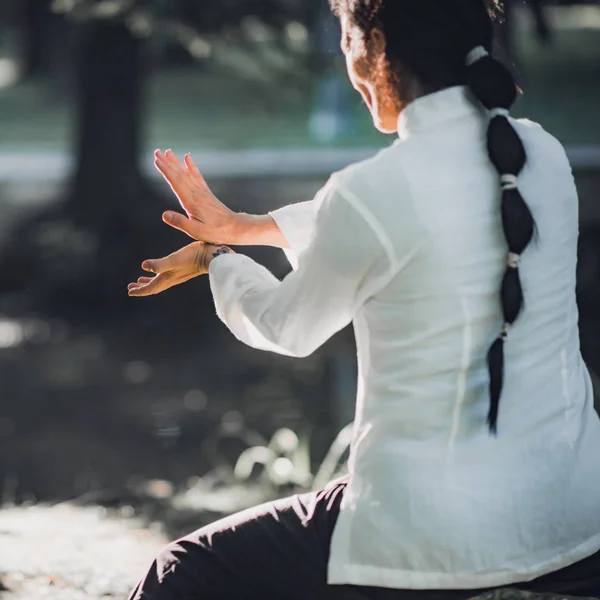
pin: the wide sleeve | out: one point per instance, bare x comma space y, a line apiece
343, 265
297, 223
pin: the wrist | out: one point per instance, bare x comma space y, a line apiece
243, 232
257, 230
211, 252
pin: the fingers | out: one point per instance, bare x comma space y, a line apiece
155, 285
181, 180
172, 157
169, 156
195, 229
159, 284
140, 281
192, 168
170, 163
172, 170
170, 166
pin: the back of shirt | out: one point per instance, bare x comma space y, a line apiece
435, 500
439, 315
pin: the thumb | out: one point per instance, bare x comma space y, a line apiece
191, 227
161, 265
152, 266
174, 262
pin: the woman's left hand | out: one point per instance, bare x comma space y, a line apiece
209, 220
177, 268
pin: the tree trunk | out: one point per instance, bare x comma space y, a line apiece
35, 19
109, 73
77, 258
92, 242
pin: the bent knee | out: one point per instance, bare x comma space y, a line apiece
172, 576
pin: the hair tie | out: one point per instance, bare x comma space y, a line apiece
509, 182
476, 55
504, 331
499, 112
514, 260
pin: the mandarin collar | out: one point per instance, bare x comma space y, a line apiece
434, 109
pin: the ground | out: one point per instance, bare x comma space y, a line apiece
72, 553
75, 553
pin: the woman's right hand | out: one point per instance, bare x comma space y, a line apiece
209, 219
177, 268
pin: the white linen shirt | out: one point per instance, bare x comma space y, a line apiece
409, 246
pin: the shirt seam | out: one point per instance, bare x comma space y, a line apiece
371, 220
396, 265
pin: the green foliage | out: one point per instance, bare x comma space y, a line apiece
264, 471
286, 461
261, 42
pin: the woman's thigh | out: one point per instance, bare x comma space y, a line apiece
278, 550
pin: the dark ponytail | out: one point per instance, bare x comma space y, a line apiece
493, 85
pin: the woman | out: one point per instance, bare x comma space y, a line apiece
453, 252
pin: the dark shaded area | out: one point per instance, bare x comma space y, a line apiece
79, 253
105, 400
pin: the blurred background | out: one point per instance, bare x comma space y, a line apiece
151, 403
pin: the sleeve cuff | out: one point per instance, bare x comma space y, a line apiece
289, 219
296, 222
225, 261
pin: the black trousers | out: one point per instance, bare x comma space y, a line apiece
280, 551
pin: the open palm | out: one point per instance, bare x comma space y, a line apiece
175, 269
209, 220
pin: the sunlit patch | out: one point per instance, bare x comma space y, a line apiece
249, 459
140, 24
12, 334
283, 468
199, 48
575, 17
297, 33
256, 31
128, 512
285, 440
159, 489
9, 72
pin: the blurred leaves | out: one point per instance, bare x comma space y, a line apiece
257, 41
93, 9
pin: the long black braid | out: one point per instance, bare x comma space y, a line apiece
442, 43
493, 85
